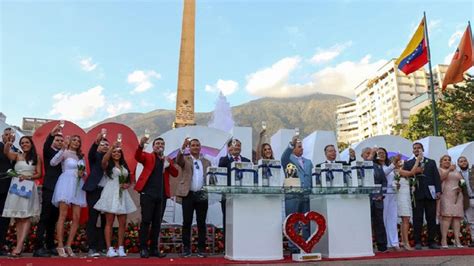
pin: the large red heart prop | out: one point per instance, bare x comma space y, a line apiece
129, 144
295, 218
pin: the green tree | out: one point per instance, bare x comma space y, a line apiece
455, 117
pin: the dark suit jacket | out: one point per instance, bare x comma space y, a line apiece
95, 166
430, 177
51, 173
225, 161
5, 164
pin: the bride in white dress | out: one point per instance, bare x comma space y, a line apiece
68, 191
115, 199
404, 208
22, 202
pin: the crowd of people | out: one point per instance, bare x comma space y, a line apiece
416, 189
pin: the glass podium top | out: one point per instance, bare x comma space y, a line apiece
292, 190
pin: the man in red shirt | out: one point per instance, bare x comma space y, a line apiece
153, 186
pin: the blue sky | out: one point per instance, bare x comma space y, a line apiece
88, 60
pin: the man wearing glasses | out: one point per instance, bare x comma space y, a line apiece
194, 167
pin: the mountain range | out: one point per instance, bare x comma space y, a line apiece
308, 113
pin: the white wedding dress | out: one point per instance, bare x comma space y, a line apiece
68, 188
110, 200
404, 198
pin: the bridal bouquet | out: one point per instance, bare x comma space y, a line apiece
396, 182
123, 179
461, 186
81, 167
413, 184
12, 173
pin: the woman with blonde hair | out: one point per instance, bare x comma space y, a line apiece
451, 202
68, 192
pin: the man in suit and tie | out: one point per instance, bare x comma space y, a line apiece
376, 201
49, 212
93, 189
234, 147
193, 178
298, 203
427, 191
5, 165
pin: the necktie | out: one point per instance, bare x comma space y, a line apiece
236, 158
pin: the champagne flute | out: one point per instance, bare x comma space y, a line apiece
147, 135
119, 137
234, 142
264, 125
103, 131
62, 123
297, 131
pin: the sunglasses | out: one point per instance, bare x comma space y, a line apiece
196, 165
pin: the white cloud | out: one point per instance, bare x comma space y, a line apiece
344, 77
78, 106
455, 37
118, 107
340, 79
227, 87
87, 65
326, 55
142, 80
170, 96
271, 81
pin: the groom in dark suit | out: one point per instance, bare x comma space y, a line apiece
234, 147
427, 191
95, 235
49, 212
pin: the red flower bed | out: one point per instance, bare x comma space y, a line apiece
171, 238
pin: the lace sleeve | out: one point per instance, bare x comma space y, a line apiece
57, 159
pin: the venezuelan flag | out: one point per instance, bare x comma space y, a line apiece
415, 54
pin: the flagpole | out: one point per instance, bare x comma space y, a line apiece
433, 101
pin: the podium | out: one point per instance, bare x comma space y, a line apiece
254, 220
349, 231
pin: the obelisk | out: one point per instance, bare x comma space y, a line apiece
185, 94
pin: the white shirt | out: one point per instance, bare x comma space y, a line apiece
198, 175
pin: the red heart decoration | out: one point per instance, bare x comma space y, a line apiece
306, 218
130, 143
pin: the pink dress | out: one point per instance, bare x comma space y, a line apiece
451, 200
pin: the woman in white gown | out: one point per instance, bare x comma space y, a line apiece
22, 202
115, 199
404, 208
68, 191
390, 217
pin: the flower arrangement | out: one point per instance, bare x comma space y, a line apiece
81, 168
123, 179
171, 238
396, 182
462, 187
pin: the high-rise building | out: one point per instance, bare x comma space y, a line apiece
384, 101
347, 122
